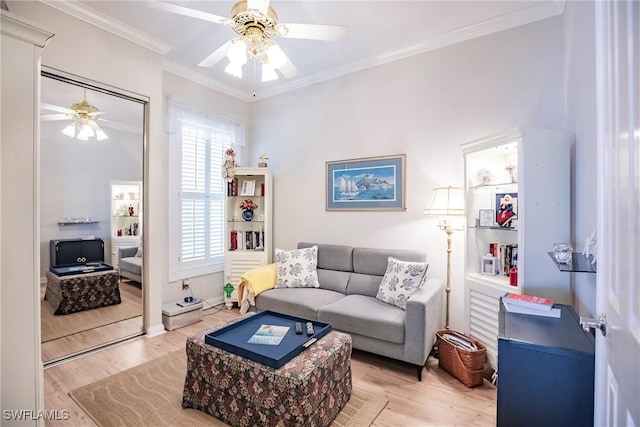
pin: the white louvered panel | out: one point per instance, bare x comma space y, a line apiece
235, 269
483, 321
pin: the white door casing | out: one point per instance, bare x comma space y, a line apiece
617, 381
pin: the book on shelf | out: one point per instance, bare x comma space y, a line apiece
530, 301
269, 335
521, 309
508, 255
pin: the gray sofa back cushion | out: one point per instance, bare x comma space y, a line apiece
333, 257
364, 284
374, 261
333, 280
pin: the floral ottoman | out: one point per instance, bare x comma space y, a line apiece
79, 292
309, 390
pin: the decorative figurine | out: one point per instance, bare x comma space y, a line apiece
262, 163
230, 165
130, 210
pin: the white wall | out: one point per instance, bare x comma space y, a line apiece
207, 101
580, 77
424, 106
89, 52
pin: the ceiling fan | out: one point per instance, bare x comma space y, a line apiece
84, 120
256, 23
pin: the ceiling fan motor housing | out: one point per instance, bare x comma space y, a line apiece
253, 23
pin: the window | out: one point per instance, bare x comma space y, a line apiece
198, 148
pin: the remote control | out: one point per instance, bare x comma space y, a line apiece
310, 330
298, 328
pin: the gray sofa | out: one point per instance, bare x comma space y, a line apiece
130, 265
349, 279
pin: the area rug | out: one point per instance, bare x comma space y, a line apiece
54, 327
151, 395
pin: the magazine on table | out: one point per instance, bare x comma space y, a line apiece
529, 301
269, 335
521, 309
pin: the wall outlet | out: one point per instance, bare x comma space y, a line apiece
185, 283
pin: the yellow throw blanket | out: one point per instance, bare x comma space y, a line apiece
254, 282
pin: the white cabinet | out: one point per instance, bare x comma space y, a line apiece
532, 167
249, 237
126, 216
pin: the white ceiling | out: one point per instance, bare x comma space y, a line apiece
379, 32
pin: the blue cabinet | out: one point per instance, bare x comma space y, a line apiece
546, 370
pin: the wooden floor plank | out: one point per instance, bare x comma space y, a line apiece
439, 400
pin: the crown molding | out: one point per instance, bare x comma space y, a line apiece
100, 20
23, 29
524, 16
189, 74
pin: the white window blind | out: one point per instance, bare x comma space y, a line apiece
199, 144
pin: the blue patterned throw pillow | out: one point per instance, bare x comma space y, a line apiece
401, 280
297, 268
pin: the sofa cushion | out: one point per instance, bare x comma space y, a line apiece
334, 280
297, 268
362, 315
332, 257
374, 261
300, 302
364, 284
401, 280
132, 264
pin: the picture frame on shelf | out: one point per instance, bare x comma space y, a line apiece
366, 184
506, 209
248, 187
486, 218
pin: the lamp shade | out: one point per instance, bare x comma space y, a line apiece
447, 201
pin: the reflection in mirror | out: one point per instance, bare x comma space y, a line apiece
91, 169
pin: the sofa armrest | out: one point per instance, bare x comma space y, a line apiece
127, 252
423, 319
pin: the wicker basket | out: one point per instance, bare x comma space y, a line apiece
467, 366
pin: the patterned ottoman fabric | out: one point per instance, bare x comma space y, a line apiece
309, 390
69, 294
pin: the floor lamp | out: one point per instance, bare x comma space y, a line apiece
447, 202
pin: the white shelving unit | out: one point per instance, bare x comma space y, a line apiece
125, 224
248, 243
533, 167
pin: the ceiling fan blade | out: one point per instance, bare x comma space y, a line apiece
57, 108
186, 11
261, 5
54, 117
312, 31
216, 56
288, 70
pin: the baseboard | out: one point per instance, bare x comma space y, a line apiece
155, 330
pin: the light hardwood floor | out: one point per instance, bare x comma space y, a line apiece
81, 341
439, 400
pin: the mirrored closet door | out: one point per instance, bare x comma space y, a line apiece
91, 203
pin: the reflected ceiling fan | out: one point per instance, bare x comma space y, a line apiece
84, 120
256, 23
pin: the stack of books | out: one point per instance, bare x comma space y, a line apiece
529, 304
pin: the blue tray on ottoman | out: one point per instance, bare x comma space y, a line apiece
233, 338
69, 269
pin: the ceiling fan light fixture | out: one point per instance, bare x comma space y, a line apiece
85, 132
100, 135
235, 69
275, 56
70, 130
268, 73
237, 54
